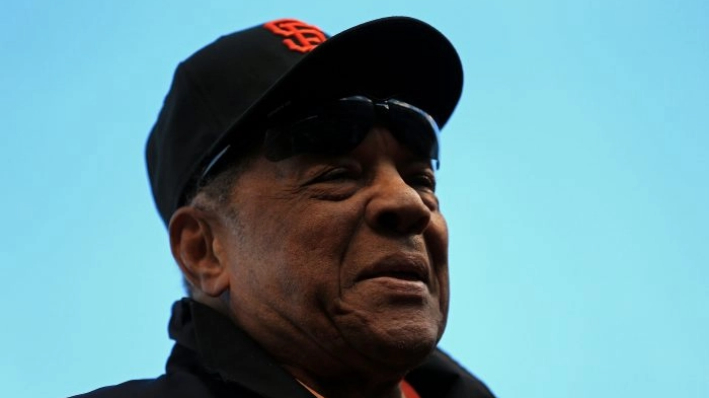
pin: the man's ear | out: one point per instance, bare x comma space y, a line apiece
198, 251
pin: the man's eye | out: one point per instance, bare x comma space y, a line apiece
423, 180
335, 183
337, 174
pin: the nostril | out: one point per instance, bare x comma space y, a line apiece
394, 222
388, 221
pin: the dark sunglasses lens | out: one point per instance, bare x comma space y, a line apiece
324, 134
415, 130
339, 128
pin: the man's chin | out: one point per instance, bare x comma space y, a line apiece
404, 352
396, 333
397, 343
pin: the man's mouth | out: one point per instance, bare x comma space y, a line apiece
407, 276
403, 267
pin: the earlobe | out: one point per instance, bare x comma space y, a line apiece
197, 251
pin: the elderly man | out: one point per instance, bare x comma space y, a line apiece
295, 173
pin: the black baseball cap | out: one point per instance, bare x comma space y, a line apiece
226, 89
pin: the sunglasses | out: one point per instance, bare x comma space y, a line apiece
338, 127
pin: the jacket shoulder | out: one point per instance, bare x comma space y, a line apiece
133, 388
173, 385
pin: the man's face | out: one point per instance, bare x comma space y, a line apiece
341, 256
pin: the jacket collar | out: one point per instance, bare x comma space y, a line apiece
224, 349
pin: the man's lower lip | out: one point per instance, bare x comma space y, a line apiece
397, 285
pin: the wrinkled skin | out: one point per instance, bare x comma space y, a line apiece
337, 266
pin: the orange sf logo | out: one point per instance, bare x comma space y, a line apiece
299, 36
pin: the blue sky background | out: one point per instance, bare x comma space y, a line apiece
574, 178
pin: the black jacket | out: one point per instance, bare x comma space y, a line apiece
212, 358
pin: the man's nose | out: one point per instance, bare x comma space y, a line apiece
396, 207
